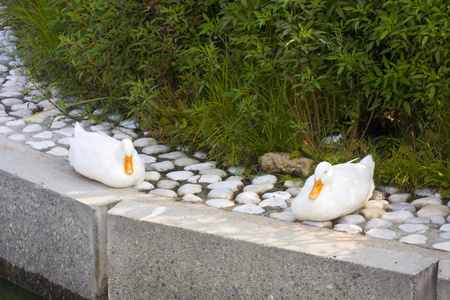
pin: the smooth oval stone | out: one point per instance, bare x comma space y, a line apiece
152, 176
11, 101
413, 228
234, 185
442, 246
17, 137
284, 216
194, 179
167, 184
381, 233
164, 193
320, 224
162, 166
399, 198
44, 135
349, 228
401, 206
434, 210
220, 203
439, 220
189, 188
144, 142
221, 193
172, 155
29, 105
422, 202
372, 213
389, 190
122, 136
32, 128
377, 203
351, 219
145, 186
58, 151
445, 235
414, 239
147, 159
21, 113
248, 198
180, 175
273, 203
200, 155
279, 194
397, 216
155, 149
185, 162
5, 129
15, 122
58, 125
43, 145
377, 195
251, 209
445, 227
293, 183
417, 220
68, 131
209, 178
218, 172
258, 188
201, 166
378, 223
191, 198
265, 179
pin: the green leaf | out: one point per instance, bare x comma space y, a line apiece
407, 107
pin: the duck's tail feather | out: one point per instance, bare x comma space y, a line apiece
78, 129
368, 161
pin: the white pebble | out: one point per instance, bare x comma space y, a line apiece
64, 141
189, 188
279, 194
180, 175
222, 193
377, 223
164, 193
194, 179
162, 166
351, 219
155, 149
401, 206
58, 125
200, 155
399, 198
442, 246
172, 155
11, 101
32, 128
320, 224
192, 198
217, 172
43, 145
152, 176
377, 195
265, 179
201, 166
21, 113
185, 162
422, 202
251, 209
68, 131
258, 188
273, 203
397, 216
349, 228
59, 151
15, 123
434, 210
145, 186
220, 203
445, 227
147, 159
445, 235
284, 216
4, 129
389, 189
417, 220
234, 185
209, 178
144, 142
167, 184
44, 135
248, 198
381, 233
17, 137
377, 203
294, 191
413, 228
293, 183
29, 105
439, 220
414, 239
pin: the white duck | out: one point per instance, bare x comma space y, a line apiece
105, 159
335, 191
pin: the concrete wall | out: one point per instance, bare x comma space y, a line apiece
68, 238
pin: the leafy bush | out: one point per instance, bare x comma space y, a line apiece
242, 78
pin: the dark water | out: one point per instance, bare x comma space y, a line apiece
11, 291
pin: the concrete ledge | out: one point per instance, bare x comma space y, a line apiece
87, 239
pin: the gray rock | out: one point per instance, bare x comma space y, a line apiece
219, 172
370, 213
378, 223
439, 220
445, 227
349, 228
413, 228
401, 206
414, 239
397, 216
320, 224
434, 210
220, 203
43, 145
167, 184
377, 195
251, 209
180, 175
278, 162
5, 129
422, 202
351, 219
381, 233
399, 198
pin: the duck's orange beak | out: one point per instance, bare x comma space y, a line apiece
318, 185
128, 164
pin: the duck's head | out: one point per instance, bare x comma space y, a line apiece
323, 175
128, 148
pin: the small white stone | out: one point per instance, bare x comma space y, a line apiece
399, 198
180, 175
349, 228
58, 125
11, 101
434, 210
439, 220
217, 172
234, 185
164, 193
427, 192
59, 151
284, 216
126, 131
209, 178
162, 166
220, 203
248, 198
4, 129
201, 166
413, 228
236, 170
15, 123
294, 191
417, 220
172, 155
147, 159
265, 179
445, 235
185, 162
278, 194
293, 183
155, 149
9, 120
21, 113
351, 219
144, 142
273, 203
145, 186
167, 184
152, 176
43, 145
414, 239
422, 202
320, 224
191, 198
122, 136
64, 141
200, 155
222, 193
67, 131
258, 188
194, 179
3, 114
44, 135
378, 223
251, 209
130, 124
377, 195
442, 246
17, 137
388, 189
445, 227
189, 188
21, 106
381, 233
397, 216
401, 206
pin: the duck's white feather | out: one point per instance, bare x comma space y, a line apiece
101, 158
347, 191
